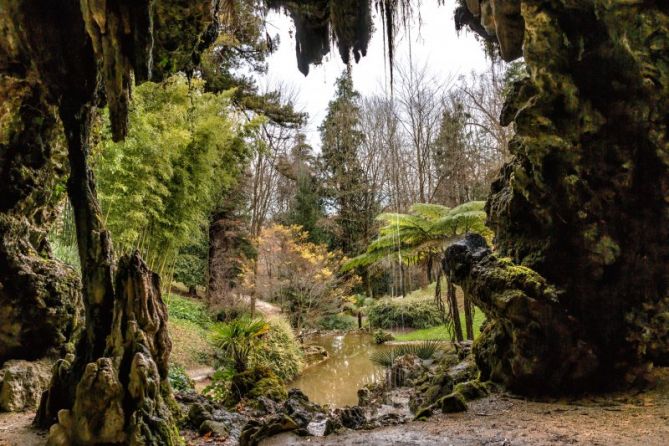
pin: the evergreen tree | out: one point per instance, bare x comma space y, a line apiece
347, 189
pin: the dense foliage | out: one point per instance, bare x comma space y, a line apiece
301, 276
158, 186
406, 312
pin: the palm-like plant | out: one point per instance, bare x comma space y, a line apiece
421, 236
238, 339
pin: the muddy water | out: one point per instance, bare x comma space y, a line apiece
336, 381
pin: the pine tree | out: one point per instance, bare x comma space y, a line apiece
347, 189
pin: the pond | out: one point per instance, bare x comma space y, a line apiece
336, 381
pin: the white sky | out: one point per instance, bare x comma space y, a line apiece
434, 42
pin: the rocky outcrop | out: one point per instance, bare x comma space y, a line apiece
22, 384
40, 298
578, 285
57, 64
500, 21
124, 396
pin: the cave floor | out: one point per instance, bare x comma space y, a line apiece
621, 418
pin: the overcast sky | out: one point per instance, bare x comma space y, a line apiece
434, 42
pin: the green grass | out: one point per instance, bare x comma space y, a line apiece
188, 323
440, 332
187, 309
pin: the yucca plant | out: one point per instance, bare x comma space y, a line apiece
238, 339
424, 350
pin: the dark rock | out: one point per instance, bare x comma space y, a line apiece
453, 402
216, 428
256, 430
351, 417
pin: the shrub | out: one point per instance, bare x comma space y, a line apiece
178, 378
392, 313
188, 310
238, 340
280, 351
253, 346
381, 337
338, 322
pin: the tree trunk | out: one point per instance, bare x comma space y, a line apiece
469, 321
454, 310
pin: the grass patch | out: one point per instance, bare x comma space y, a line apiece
440, 332
186, 309
189, 323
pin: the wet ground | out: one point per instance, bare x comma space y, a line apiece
624, 418
336, 381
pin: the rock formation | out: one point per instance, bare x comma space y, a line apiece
58, 61
577, 290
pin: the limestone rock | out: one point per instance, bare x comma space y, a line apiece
405, 369
314, 354
22, 384
216, 428
124, 397
452, 403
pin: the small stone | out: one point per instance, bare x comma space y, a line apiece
216, 428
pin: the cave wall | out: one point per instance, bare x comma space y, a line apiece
60, 61
41, 312
584, 201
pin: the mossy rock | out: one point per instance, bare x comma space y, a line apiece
271, 387
423, 413
471, 390
452, 403
254, 383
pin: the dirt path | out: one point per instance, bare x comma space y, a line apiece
16, 430
616, 419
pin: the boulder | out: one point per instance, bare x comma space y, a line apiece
351, 417
256, 430
405, 369
22, 384
451, 403
471, 390
313, 354
215, 428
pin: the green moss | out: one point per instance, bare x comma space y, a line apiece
451, 403
254, 383
470, 390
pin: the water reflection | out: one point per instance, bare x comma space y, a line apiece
337, 380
